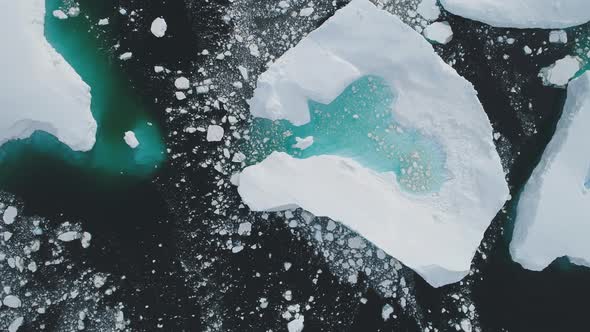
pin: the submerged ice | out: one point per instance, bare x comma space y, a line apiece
372, 115
554, 208
359, 125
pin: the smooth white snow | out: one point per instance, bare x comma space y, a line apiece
439, 32
544, 14
561, 72
39, 89
131, 139
158, 27
435, 234
553, 214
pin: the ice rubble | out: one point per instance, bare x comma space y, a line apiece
435, 234
554, 208
543, 14
40, 91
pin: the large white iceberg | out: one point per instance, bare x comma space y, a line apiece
39, 89
553, 214
543, 14
435, 233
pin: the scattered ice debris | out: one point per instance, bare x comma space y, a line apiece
158, 27
9, 215
182, 83
58, 13
543, 14
303, 143
125, 56
296, 325
320, 183
103, 21
554, 207
40, 81
429, 10
439, 32
561, 72
130, 139
558, 36
214, 133
386, 312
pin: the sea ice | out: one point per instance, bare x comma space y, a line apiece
435, 232
182, 83
543, 14
158, 27
553, 214
131, 139
214, 133
558, 36
429, 10
9, 215
439, 32
40, 90
561, 71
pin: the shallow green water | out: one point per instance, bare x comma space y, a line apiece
115, 106
359, 125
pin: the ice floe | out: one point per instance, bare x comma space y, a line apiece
41, 91
554, 208
543, 14
159, 27
439, 32
561, 72
435, 233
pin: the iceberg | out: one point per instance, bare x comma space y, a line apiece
522, 14
40, 90
553, 213
433, 125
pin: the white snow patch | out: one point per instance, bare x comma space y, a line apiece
131, 139
158, 27
40, 90
554, 207
544, 14
439, 32
435, 234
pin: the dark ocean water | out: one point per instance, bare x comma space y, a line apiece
149, 226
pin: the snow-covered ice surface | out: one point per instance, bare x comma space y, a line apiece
553, 214
40, 91
437, 233
543, 14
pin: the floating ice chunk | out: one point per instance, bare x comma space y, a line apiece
103, 21
44, 92
131, 139
554, 207
296, 325
58, 13
544, 14
429, 10
245, 228
558, 36
180, 95
306, 11
214, 133
158, 27
437, 233
12, 301
182, 83
303, 143
439, 32
158, 69
16, 324
85, 240
125, 56
74, 11
68, 236
386, 312
9, 215
561, 71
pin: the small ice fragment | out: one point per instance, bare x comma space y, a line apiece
303, 143
74, 11
439, 32
244, 72
214, 133
12, 301
68, 236
125, 56
527, 50
58, 13
180, 95
159, 27
296, 325
9, 215
245, 228
429, 10
104, 21
561, 71
558, 36
158, 69
466, 325
306, 11
182, 83
85, 240
16, 324
386, 312
130, 139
